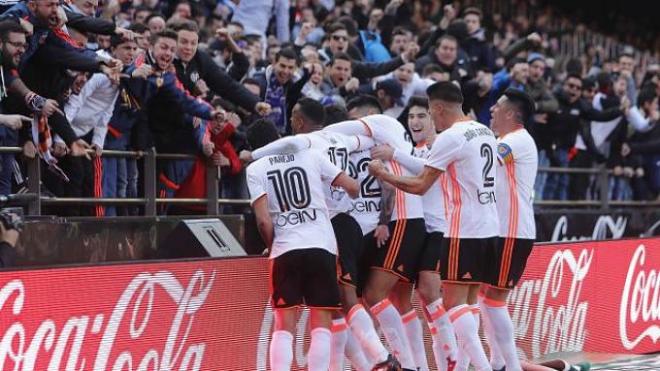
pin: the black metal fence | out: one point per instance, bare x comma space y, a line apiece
34, 199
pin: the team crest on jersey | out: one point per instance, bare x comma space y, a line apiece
504, 153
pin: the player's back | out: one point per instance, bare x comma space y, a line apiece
467, 152
295, 184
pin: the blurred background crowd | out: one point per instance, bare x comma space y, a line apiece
83, 77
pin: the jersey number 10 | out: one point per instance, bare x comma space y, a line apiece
291, 188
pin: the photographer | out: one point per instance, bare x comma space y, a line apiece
10, 226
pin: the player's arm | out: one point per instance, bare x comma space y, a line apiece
264, 222
387, 193
349, 184
411, 184
290, 144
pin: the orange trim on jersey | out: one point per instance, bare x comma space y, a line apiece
351, 312
369, 132
380, 306
409, 316
445, 193
494, 303
455, 315
507, 253
338, 327
400, 227
454, 228
475, 310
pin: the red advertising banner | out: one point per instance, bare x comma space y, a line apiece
214, 314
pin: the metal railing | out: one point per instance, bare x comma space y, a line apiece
34, 199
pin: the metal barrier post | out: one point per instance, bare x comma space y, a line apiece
604, 187
212, 190
150, 182
34, 185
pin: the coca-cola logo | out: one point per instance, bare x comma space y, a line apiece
640, 302
549, 311
606, 227
63, 346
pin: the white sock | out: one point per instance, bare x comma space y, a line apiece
496, 359
499, 318
468, 337
463, 359
444, 340
318, 357
363, 328
339, 337
392, 327
415, 335
355, 354
281, 351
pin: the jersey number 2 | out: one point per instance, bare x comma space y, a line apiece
291, 188
487, 153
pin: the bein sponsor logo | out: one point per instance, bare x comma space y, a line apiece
34, 340
639, 313
549, 312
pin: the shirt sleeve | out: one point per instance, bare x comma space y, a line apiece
444, 150
329, 172
254, 183
285, 145
504, 152
410, 162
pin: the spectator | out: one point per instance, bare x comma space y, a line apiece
445, 55
476, 46
340, 85
401, 38
255, 17
156, 23
389, 93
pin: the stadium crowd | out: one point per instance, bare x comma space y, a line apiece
192, 76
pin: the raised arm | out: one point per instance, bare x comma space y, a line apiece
411, 184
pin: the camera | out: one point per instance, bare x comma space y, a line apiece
12, 218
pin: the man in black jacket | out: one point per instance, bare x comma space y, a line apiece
339, 42
573, 116
200, 75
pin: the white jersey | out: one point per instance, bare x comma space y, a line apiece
335, 146
387, 130
295, 184
434, 199
365, 208
466, 151
516, 172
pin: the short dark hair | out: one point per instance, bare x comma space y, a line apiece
260, 133
573, 76
445, 91
432, 68
225, 104
417, 101
251, 81
342, 56
335, 113
646, 95
7, 27
138, 28
473, 10
141, 8
364, 101
167, 33
312, 110
400, 30
286, 53
152, 16
445, 37
116, 40
522, 102
185, 25
334, 27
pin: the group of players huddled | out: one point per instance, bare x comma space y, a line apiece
359, 212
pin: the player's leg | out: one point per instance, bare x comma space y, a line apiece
428, 289
510, 258
286, 295
496, 359
321, 293
339, 332
355, 355
401, 297
462, 270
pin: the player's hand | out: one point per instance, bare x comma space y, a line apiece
376, 168
125, 34
411, 53
263, 108
207, 148
142, 72
381, 234
352, 85
14, 122
98, 150
245, 156
79, 148
59, 149
51, 106
382, 152
29, 149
